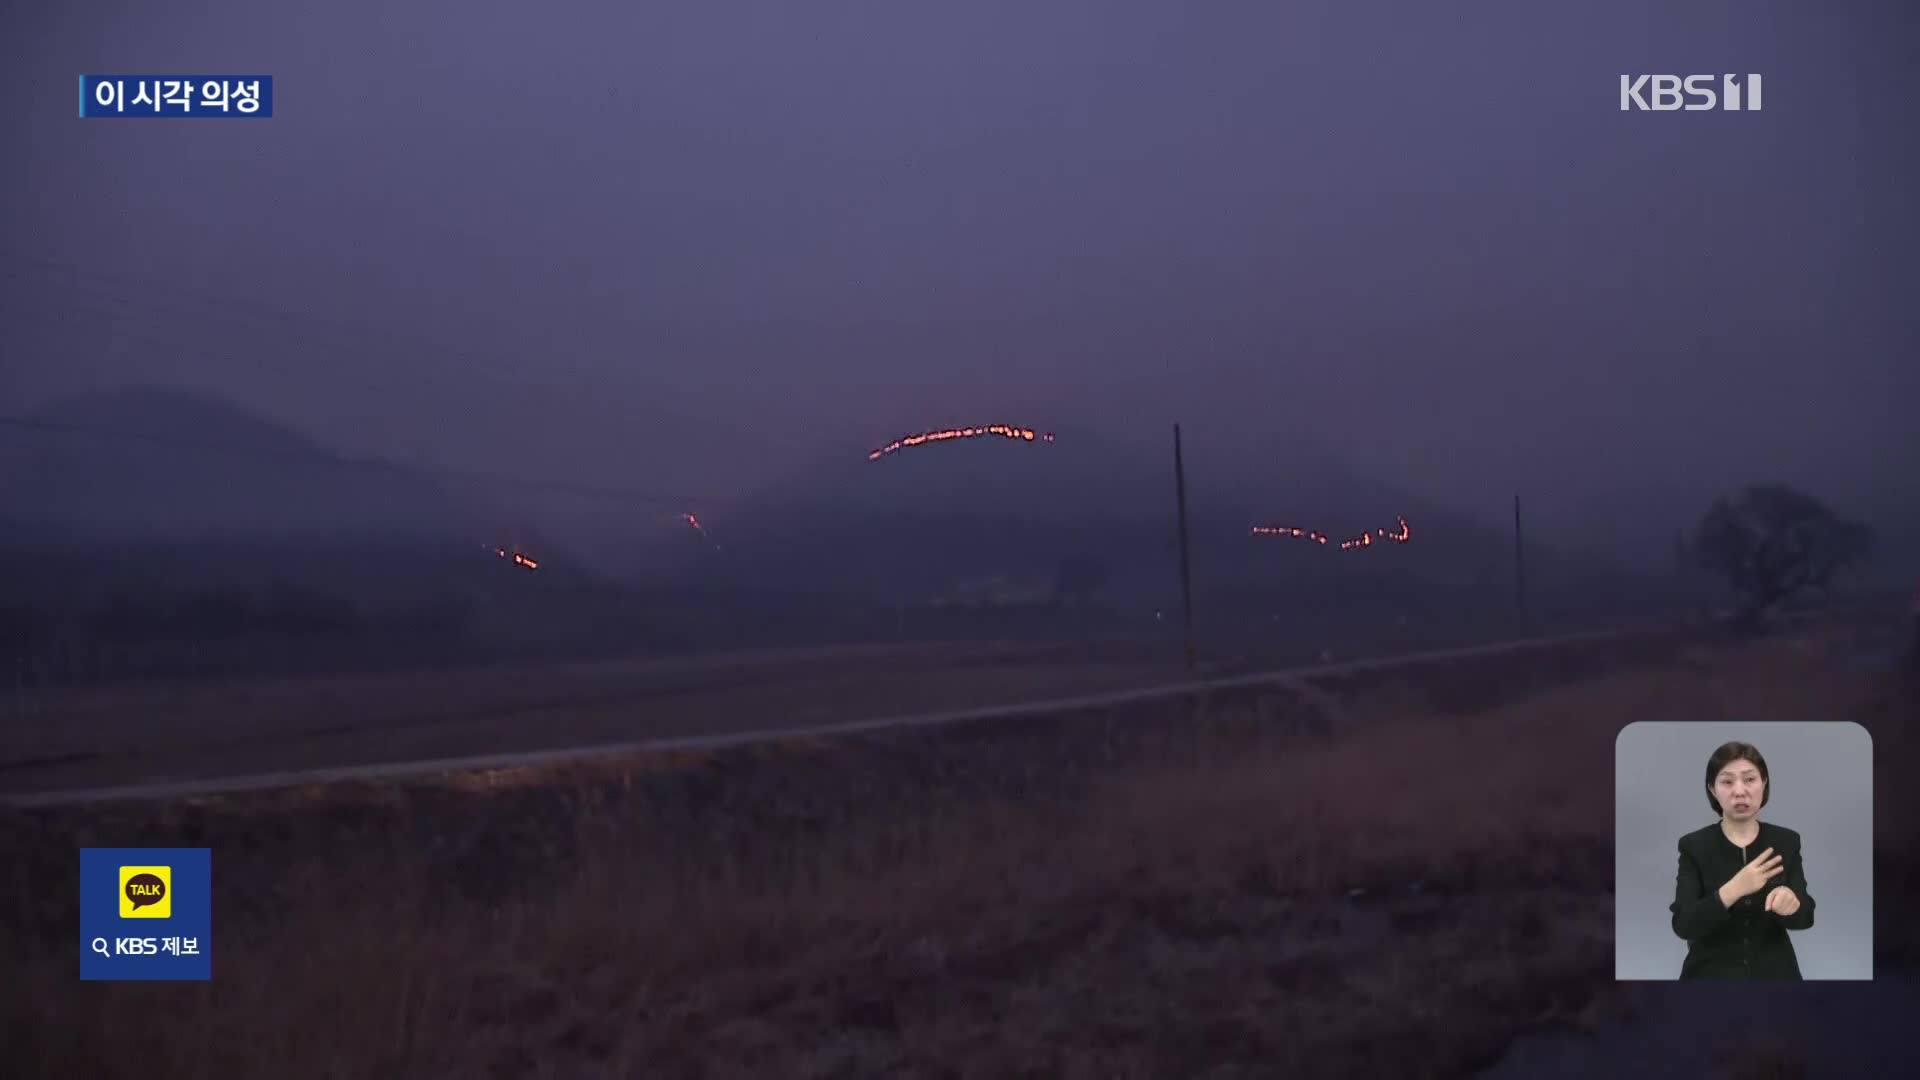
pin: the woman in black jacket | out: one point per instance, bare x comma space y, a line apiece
1742, 885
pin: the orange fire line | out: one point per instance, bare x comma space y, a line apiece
1003, 430
1399, 536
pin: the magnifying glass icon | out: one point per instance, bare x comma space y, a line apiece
100, 946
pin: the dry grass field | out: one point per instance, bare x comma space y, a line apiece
1390, 875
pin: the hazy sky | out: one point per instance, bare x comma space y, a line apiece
487, 232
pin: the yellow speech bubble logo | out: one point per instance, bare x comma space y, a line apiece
146, 892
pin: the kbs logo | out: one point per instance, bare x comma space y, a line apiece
1666, 93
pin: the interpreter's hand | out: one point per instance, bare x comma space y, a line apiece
1782, 901
1753, 876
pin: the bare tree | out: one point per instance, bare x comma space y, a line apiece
1770, 541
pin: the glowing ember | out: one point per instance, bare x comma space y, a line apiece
518, 558
1399, 536
1287, 530
1005, 431
693, 522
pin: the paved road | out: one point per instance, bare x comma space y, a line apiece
112, 736
237, 781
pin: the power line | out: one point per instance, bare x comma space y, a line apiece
227, 306
318, 458
150, 315
89, 299
350, 336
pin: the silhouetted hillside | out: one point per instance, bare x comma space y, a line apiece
202, 538
917, 523
155, 463
199, 537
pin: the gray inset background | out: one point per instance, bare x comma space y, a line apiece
1822, 774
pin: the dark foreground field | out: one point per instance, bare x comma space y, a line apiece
1389, 876
82, 738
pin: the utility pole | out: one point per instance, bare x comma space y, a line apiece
1186, 575
1519, 564
1682, 579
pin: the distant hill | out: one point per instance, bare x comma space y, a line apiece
182, 466
197, 527
167, 467
918, 522
199, 522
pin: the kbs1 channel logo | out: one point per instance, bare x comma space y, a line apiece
246, 97
1689, 93
146, 913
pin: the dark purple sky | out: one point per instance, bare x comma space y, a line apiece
480, 233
